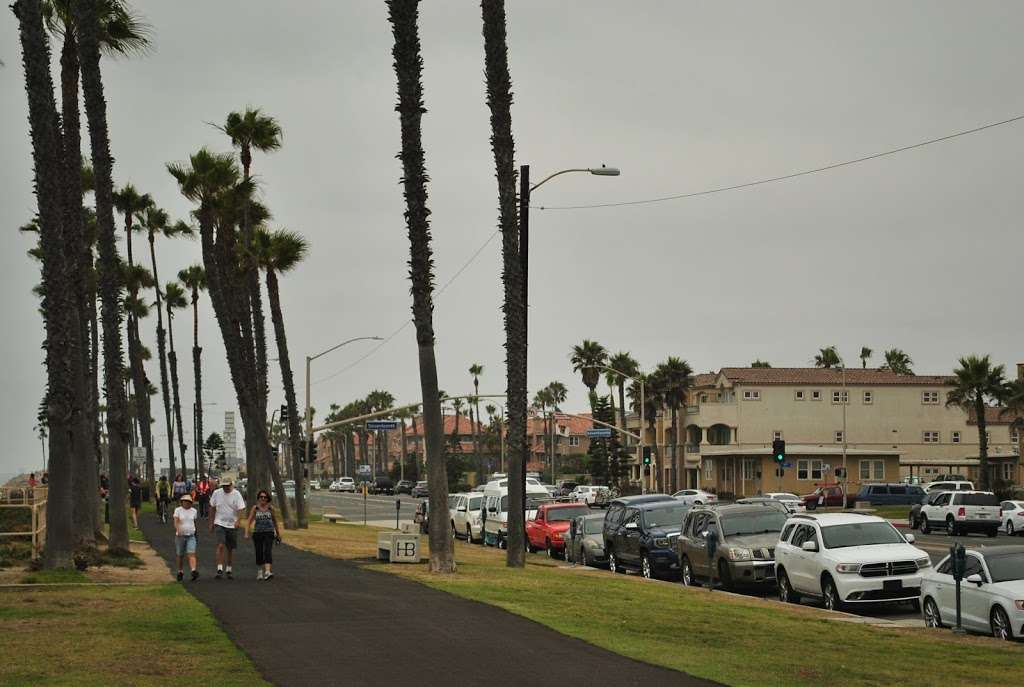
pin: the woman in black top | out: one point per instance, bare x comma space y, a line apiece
135, 499
263, 527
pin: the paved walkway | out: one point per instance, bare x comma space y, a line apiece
322, 622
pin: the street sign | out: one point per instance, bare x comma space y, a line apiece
787, 465
599, 433
381, 424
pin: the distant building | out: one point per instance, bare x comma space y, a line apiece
230, 441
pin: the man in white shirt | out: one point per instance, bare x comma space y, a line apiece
226, 509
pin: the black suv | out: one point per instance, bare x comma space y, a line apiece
382, 485
643, 535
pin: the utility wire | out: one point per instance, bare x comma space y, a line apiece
794, 175
405, 324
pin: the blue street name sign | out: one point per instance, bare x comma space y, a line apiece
382, 424
787, 465
599, 433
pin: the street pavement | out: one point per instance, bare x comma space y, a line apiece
322, 621
379, 509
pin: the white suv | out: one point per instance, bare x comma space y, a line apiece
847, 558
959, 512
465, 513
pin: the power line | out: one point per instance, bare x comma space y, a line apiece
785, 176
405, 324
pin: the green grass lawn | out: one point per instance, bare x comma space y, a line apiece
735, 640
85, 636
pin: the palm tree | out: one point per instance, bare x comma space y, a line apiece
827, 357
625, 364
276, 253
541, 401
174, 298
131, 204
674, 381
865, 353
1013, 400
204, 180
977, 383
194, 279
556, 395
457, 404
587, 359
898, 361
475, 370
499, 103
135, 279
653, 402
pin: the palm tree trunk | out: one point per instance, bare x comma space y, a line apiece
197, 373
140, 383
622, 402
250, 274
161, 347
673, 450
979, 412
294, 432
172, 359
109, 277
403, 15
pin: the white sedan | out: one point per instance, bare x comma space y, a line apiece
1013, 517
694, 497
792, 502
991, 593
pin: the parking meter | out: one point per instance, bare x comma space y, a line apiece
398, 508
712, 540
958, 557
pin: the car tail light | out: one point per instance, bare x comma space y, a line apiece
961, 512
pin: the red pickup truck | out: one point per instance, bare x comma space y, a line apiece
831, 496
548, 529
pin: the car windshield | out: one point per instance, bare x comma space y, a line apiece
594, 526
753, 523
785, 497
1006, 567
665, 516
860, 534
563, 514
976, 500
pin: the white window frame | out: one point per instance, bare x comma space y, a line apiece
929, 436
816, 394
709, 469
868, 397
798, 395
1007, 471
807, 467
574, 440
840, 397
930, 398
751, 395
954, 437
838, 436
1014, 435
777, 434
749, 469
875, 470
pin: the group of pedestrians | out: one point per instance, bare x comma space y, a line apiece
226, 511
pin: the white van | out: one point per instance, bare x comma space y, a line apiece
465, 514
495, 510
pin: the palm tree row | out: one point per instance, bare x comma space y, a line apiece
896, 359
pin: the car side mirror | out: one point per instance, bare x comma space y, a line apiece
809, 546
975, 579
909, 538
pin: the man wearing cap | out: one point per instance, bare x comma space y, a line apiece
226, 509
185, 535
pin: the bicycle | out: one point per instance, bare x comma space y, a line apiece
162, 503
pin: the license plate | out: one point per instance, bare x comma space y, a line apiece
982, 515
892, 585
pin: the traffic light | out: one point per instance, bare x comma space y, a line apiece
284, 414
647, 455
312, 451
779, 451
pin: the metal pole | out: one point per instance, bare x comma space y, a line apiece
845, 399
309, 418
643, 436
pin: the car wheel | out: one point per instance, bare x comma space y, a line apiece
469, 535
931, 614
830, 596
645, 567
1001, 624
686, 573
786, 593
951, 527
613, 564
1009, 528
926, 527
550, 551
725, 575
455, 533
912, 523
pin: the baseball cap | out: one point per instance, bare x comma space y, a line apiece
185, 497
226, 482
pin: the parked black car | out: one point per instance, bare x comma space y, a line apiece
892, 494
382, 485
404, 487
645, 535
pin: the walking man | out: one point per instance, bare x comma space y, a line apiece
226, 509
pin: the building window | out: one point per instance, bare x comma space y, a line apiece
709, 469
869, 398
777, 434
929, 437
750, 469
1014, 436
839, 436
955, 437
872, 470
574, 441
808, 469
751, 395
798, 394
815, 395
1008, 471
840, 396
930, 397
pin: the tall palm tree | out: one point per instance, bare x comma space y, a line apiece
475, 370
653, 402
174, 299
457, 404
204, 179
137, 278
499, 103
403, 16
587, 359
977, 383
827, 357
276, 253
131, 204
625, 363
541, 401
674, 380
898, 361
194, 279
865, 353
557, 394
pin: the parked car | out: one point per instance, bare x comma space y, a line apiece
552, 490
694, 497
990, 593
466, 519
914, 519
404, 486
589, 495
792, 502
892, 494
496, 504
548, 529
1013, 517
847, 559
420, 490
960, 512
586, 544
761, 501
745, 554
960, 484
314, 484
333, 486
382, 485
566, 486
827, 496
645, 538
613, 517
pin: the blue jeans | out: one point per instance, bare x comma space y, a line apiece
185, 544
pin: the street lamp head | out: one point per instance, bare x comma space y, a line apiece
603, 171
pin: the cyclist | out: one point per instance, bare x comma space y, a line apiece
163, 497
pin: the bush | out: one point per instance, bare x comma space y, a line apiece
14, 553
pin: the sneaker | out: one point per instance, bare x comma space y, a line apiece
181, 576
229, 575
195, 575
259, 575
267, 576
220, 574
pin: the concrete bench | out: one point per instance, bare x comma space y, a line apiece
332, 517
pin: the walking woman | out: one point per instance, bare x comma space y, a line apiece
185, 535
263, 527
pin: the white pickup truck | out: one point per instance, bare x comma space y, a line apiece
960, 512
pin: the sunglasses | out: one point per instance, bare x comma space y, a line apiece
264, 497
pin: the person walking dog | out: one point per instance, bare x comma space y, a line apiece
185, 535
226, 509
263, 527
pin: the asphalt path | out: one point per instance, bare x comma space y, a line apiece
322, 621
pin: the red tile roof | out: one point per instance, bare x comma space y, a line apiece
828, 376
465, 426
993, 416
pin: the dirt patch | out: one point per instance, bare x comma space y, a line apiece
152, 570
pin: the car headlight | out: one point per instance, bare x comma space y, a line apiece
556, 535
848, 567
738, 554
924, 562
662, 542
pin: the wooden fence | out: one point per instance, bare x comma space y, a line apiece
34, 500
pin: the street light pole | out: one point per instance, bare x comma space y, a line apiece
845, 399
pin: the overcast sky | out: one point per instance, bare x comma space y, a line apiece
920, 250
